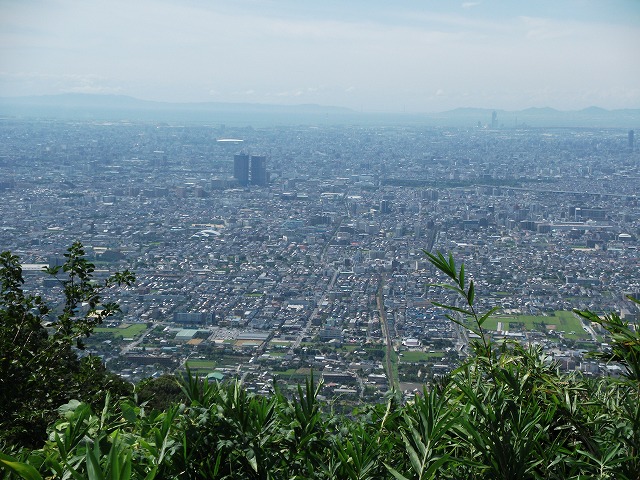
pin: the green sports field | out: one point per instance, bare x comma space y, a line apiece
560, 321
418, 356
123, 331
201, 365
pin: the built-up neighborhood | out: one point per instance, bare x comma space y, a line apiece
270, 254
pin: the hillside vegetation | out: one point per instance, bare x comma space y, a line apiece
506, 413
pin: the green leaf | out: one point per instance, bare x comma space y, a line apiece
455, 309
152, 474
434, 467
484, 317
253, 462
125, 470
68, 409
23, 469
395, 473
129, 413
94, 472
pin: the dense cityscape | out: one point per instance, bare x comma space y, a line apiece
269, 253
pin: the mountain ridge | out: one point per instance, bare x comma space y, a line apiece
115, 106
88, 99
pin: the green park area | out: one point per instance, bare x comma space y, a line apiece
416, 356
560, 321
197, 365
125, 330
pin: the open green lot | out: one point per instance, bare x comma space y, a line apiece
124, 331
277, 354
418, 356
562, 320
198, 365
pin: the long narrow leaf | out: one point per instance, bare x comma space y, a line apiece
454, 308
23, 469
94, 472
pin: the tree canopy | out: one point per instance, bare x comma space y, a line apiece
39, 365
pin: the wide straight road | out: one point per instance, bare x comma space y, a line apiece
384, 326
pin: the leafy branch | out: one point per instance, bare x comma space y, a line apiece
471, 319
626, 340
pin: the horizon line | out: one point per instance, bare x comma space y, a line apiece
299, 105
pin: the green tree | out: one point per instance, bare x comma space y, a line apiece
39, 366
160, 393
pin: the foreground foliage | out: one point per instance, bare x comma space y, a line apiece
39, 366
507, 413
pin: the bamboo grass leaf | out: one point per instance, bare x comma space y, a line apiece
395, 473
454, 308
25, 470
484, 317
94, 472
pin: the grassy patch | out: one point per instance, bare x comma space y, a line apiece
231, 360
350, 348
563, 321
570, 323
277, 354
287, 373
201, 364
130, 331
418, 356
518, 322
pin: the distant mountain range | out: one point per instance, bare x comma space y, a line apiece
121, 107
89, 101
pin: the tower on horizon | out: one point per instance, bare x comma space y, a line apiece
631, 140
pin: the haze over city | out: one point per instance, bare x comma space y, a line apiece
368, 56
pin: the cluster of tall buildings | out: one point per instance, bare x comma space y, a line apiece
250, 169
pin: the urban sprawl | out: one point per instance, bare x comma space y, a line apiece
267, 254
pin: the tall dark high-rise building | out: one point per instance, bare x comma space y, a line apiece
259, 170
241, 168
631, 139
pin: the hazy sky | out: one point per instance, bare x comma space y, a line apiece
373, 55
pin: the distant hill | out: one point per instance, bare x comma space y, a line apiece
82, 100
121, 107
